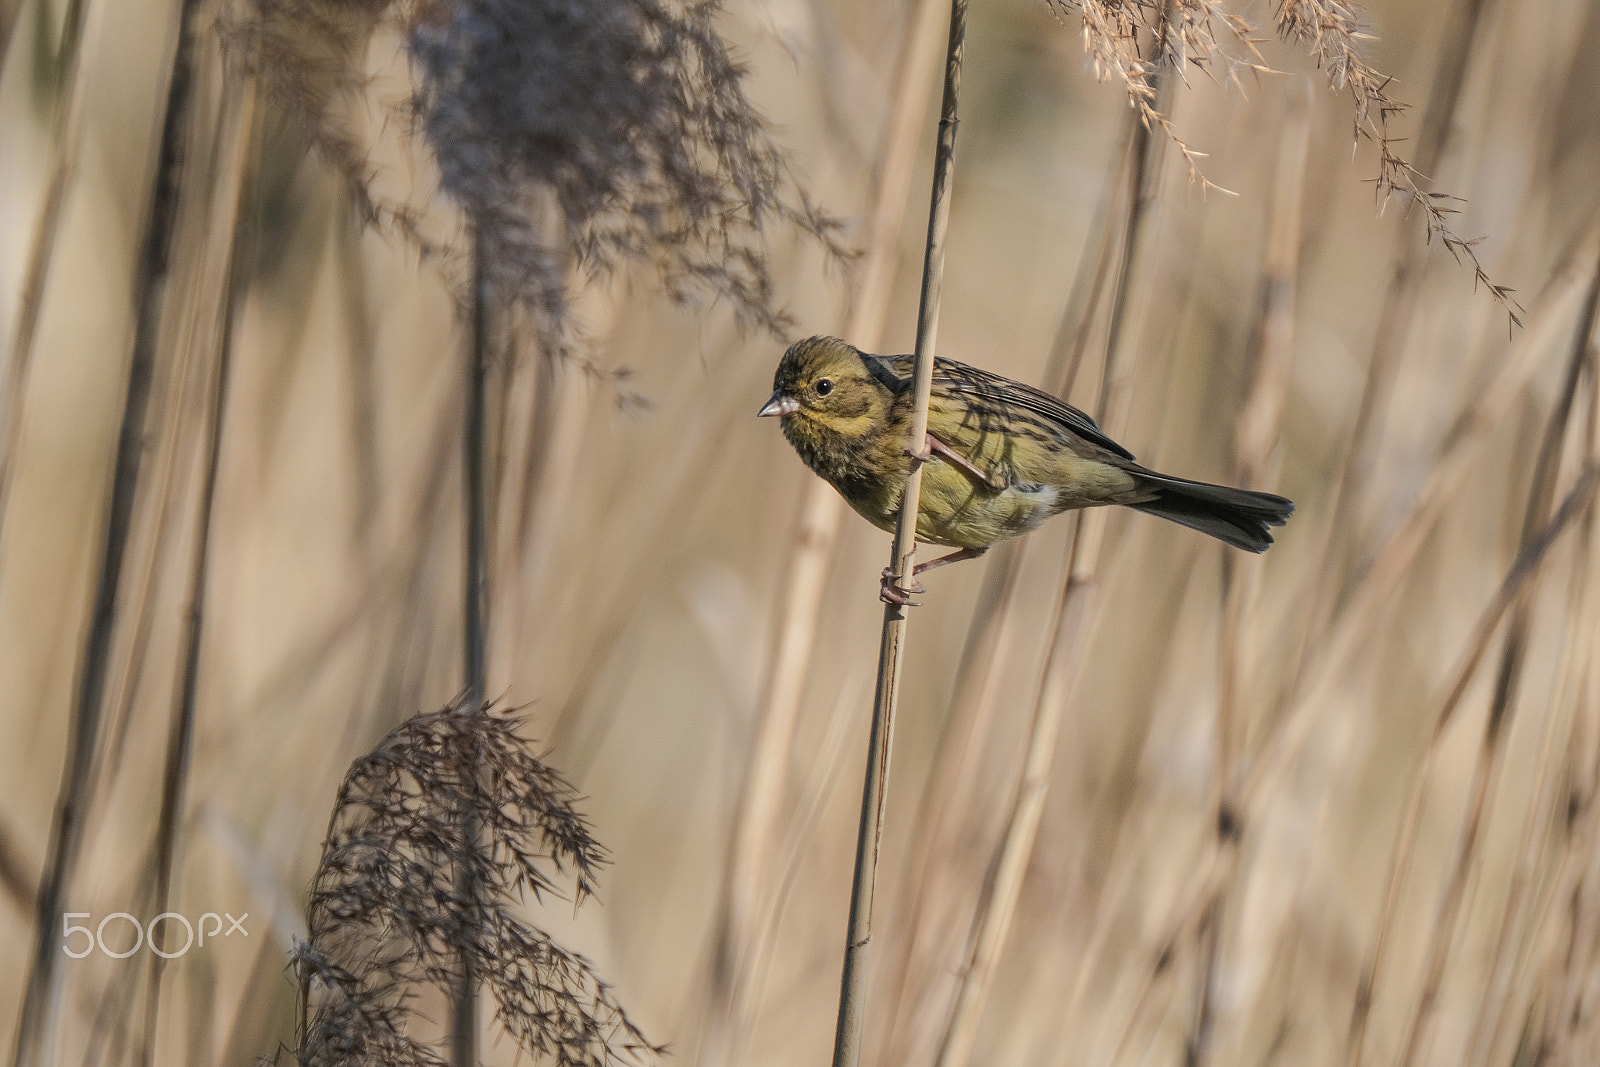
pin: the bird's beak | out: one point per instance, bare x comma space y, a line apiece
779, 405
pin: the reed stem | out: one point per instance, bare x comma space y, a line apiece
852, 987
34, 1029
475, 612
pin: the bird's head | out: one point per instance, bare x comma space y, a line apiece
826, 385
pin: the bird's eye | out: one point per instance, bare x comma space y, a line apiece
824, 387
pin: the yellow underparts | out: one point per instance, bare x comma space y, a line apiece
957, 513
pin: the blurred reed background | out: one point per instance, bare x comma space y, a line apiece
1335, 805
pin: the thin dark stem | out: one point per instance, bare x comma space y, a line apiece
180, 743
852, 986
984, 657
738, 955
1143, 181
476, 606
236, 117
1258, 429
475, 610
67, 830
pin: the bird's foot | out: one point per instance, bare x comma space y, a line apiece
890, 593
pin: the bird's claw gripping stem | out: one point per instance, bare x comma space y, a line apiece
890, 593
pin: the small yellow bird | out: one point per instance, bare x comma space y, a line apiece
1001, 456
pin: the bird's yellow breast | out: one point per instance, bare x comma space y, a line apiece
953, 511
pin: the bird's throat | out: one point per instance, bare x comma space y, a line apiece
838, 457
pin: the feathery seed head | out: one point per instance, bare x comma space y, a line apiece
577, 137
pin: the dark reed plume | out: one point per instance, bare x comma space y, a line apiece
387, 922
575, 137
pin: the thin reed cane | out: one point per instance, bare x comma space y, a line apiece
757, 817
852, 985
215, 306
950, 783
475, 608
475, 612
34, 1036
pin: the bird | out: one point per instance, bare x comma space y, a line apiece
1000, 456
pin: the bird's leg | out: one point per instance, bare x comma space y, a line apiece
932, 446
891, 593
954, 557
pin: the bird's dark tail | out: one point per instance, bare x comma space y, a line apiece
1240, 517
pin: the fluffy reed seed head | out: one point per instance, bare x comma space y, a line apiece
437, 834
575, 136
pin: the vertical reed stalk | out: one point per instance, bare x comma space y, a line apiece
212, 312
749, 866
475, 531
948, 790
853, 981
475, 611
34, 1030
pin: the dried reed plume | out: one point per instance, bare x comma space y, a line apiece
576, 138
387, 920
1128, 40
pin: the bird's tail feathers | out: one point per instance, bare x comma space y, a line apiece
1241, 517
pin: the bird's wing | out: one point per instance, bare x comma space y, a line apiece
997, 390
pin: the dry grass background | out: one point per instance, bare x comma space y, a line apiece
1400, 720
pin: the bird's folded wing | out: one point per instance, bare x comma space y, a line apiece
957, 377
